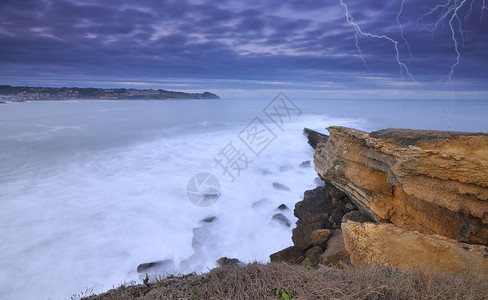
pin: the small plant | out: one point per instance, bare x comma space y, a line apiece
86, 293
196, 296
338, 162
395, 275
146, 280
304, 268
283, 293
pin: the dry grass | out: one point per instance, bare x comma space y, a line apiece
258, 281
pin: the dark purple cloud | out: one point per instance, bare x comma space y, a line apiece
298, 42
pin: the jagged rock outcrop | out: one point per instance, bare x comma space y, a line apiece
386, 245
422, 199
315, 137
314, 233
433, 182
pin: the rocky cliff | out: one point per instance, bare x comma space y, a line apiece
430, 181
415, 199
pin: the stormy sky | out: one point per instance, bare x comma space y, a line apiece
249, 47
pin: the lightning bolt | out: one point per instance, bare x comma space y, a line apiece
469, 12
449, 13
401, 28
359, 31
483, 8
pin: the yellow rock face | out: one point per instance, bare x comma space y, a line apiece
433, 182
385, 245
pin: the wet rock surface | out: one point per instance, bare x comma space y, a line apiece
314, 227
281, 219
280, 186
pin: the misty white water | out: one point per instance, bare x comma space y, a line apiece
91, 189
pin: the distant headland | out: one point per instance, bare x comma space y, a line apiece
23, 93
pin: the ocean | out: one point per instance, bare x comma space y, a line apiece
91, 189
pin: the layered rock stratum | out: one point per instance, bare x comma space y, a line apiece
433, 182
403, 199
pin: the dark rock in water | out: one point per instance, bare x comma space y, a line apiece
280, 186
318, 182
209, 219
315, 137
225, 261
282, 207
313, 254
355, 216
146, 266
260, 203
281, 219
314, 202
265, 171
336, 216
284, 168
157, 268
305, 164
292, 255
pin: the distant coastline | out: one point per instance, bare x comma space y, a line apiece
26, 93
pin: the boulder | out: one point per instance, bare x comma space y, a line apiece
282, 207
157, 269
319, 237
314, 202
315, 137
355, 216
305, 164
434, 182
292, 255
313, 255
313, 213
225, 261
280, 186
335, 252
281, 219
209, 219
386, 245
336, 217
301, 234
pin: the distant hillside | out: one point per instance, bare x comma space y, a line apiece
20, 93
